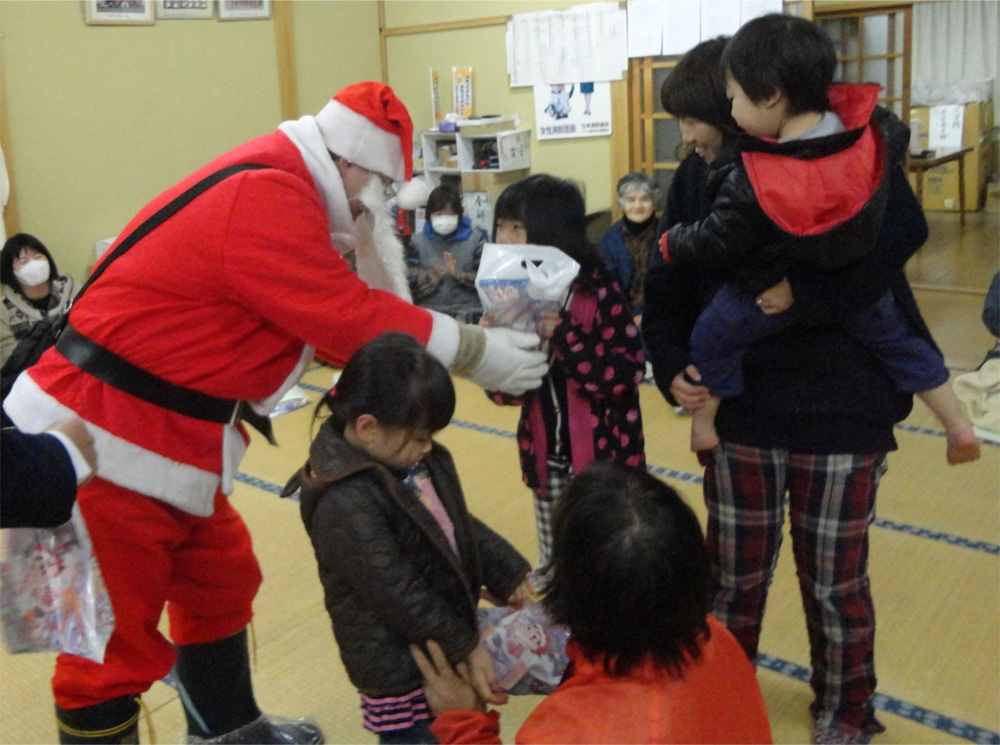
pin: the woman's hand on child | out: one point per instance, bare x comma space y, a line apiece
776, 299
484, 676
689, 395
524, 593
445, 688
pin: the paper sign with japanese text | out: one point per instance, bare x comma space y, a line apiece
461, 88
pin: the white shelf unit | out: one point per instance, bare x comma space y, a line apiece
434, 168
511, 149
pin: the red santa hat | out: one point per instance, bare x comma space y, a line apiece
368, 125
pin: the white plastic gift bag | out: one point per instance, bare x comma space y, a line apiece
519, 283
52, 594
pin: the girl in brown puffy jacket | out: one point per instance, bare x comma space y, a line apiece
400, 557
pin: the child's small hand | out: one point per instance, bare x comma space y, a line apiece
450, 265
776, 299
486, 321
484, 677
439, 270
547, 323
524, 593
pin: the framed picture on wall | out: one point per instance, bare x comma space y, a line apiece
185, 9
242, 10
119, 12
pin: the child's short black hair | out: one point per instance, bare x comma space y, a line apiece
783, 53
630, 572
396, 380
696, 88
441, 197
12, 249
553, 213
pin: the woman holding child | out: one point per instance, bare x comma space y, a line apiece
816, 414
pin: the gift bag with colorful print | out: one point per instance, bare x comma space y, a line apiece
528, 650
52, 595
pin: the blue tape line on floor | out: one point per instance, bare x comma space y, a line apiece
690, 478
893, 705
881, 701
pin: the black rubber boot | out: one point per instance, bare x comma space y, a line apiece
115, 721
217, 693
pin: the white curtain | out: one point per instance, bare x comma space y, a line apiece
957, 40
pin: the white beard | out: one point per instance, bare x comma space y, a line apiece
379, 254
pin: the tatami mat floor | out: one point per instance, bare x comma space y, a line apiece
935, 561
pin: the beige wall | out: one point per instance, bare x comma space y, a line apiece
484, 49
103, 118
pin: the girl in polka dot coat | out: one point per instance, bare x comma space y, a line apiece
587, 407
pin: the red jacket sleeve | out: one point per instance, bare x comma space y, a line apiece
467, 727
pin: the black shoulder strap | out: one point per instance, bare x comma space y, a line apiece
119, 373
163, 214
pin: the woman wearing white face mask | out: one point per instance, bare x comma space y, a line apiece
32, 289
451, 249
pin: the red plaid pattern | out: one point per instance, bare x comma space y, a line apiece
831, 502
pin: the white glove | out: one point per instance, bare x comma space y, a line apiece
511, 363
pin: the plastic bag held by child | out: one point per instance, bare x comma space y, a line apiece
518, 284
52, 596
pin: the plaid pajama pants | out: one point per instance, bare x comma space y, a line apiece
559, 472
831, 501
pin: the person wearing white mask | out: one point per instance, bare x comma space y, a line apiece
32, 289
451, 249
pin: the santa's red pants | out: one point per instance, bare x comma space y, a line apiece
151, 554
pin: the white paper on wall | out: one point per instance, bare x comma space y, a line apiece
568, 110
645, 28
719, 18
946, 127
750, 9
681, 26
587, 42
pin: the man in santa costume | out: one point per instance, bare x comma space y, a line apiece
226, 301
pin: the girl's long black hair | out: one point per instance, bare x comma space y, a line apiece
396, 380
553, 213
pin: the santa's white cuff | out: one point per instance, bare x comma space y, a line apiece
443, 342
80, 465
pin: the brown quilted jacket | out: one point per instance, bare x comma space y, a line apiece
389, 575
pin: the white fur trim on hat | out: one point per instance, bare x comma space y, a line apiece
352, 136
413, 194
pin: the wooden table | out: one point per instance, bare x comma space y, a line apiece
941, 156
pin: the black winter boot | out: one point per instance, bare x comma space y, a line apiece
115, 721
215, 687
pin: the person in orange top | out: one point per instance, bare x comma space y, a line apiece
647, 662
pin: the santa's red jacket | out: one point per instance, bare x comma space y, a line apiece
227, 297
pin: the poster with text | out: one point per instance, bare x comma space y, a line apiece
572, 110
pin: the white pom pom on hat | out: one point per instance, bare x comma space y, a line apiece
367, 124
413, 194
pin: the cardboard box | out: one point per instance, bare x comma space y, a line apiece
491, 182
940, 187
